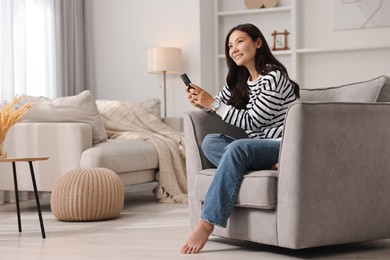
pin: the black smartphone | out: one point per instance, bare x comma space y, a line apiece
186, 80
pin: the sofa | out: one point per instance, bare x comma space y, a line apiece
74, 139
332, 186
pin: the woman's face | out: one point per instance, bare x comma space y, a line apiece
242, 49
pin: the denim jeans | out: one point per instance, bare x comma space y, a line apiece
233, 158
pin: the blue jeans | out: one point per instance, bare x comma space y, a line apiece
233, 158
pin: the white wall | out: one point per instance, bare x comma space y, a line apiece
329, 69
120, 33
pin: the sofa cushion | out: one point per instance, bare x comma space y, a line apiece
374, 90
121, 155
79, 108
258, 188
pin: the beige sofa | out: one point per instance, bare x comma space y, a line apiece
69, 146
333, 183
79, 144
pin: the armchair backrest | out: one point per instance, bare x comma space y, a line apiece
334, 173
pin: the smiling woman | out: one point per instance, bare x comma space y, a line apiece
255, 98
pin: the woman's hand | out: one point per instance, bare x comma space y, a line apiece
199, 97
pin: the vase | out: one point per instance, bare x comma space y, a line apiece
3, 150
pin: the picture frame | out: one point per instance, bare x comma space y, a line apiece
280, 40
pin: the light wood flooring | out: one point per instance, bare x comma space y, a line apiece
145, 230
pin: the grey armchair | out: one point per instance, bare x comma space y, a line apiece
333, 183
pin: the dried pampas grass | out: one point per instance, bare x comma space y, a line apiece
9, 116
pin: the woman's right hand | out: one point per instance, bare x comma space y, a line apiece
192, 96
199, 97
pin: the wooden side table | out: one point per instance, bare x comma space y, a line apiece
30, 161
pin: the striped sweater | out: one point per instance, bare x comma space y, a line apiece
269, 97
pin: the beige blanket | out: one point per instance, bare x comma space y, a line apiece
129, 120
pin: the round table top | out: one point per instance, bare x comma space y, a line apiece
22, 159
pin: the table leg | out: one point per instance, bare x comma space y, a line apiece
17, 196
37, 199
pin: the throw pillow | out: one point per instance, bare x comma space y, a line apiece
374, 90
80, 108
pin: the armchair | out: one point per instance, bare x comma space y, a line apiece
332, 184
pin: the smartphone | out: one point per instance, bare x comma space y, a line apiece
186, 80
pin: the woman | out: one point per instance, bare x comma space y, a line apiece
256, 96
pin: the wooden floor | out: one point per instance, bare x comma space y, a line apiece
145, 230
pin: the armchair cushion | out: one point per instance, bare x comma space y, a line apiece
374, 90
258, 188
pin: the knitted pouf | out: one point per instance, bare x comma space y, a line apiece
87, 195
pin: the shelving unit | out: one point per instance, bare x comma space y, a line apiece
302, 55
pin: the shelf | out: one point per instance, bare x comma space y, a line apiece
326, 50
343, 49
281, 53
256, 11
275, 53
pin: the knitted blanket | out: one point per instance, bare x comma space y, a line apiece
129, 120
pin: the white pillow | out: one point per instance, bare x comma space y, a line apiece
152, 106
80, 108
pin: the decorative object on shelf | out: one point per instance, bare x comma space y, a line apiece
255, 4
280, 40
164, 60
8, 117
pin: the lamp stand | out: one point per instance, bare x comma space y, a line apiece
165, 93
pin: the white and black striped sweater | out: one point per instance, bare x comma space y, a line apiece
269, 97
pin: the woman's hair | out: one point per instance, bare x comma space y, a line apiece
265, 62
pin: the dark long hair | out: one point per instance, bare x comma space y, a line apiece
265, 62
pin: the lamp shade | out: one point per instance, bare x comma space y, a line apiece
164, 59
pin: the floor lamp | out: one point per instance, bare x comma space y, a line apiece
164, 60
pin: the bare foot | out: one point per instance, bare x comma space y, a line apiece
275, 166
198, 238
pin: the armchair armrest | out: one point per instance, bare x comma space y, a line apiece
62, 142
334, 180
197, 124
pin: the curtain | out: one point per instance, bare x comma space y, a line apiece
27, 48
70, 45
41, 48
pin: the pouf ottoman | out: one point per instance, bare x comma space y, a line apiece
87, 195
